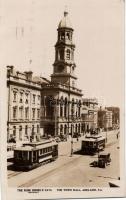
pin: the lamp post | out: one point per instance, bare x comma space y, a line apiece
72, 142
73, 119
106, 133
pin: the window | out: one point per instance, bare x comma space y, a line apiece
20, 132
34, 98
21, 112
62, 35
61, 129
68, 54
14, 112
33, 113
61, 111
26, 98
14, 130
68, 36
14, 96
26, 113
32, 129
21, 97
26, 130
38, 113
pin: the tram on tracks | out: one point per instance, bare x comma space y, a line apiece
92, 144
32, 155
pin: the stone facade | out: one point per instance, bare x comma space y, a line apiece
89, 114
24, 102
61, 99
104, 119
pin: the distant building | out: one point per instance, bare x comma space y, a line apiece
104, 119
89, 114
24, 101
115, 116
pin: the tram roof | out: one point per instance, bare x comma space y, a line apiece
93, 136
93, 139
37, 143
36, 147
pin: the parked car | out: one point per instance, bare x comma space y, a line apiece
103, 160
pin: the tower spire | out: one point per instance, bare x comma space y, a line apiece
64, 65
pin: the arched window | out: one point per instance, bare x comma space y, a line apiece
38, 128
65, 129
26, 130
68, 54
68, 36
62, 35
65, 108
32, 129
20, 132
76, 128
14, 130
61, 129
61, 107
72, 107
79, 128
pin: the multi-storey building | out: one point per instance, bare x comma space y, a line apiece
104, 119
89, 114
115, 116
24, 101
61, 99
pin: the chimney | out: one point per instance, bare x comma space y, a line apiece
29, 75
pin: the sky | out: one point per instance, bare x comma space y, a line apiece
29, 33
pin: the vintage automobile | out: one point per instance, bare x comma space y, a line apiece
103, 160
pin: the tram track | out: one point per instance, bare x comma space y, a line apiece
53, 171
14, 174
49, 173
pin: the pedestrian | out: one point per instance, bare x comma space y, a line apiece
117, 136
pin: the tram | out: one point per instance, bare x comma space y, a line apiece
93, 144
32, 155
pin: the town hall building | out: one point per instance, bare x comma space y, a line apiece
61, 99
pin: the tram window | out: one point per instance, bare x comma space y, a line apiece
24, 155
34, 155
90, 143
20, 154
86, 143
41, 151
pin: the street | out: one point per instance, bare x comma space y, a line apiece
71, 171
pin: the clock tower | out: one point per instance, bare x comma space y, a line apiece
64, 65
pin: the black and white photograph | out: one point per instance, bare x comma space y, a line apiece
63, 98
